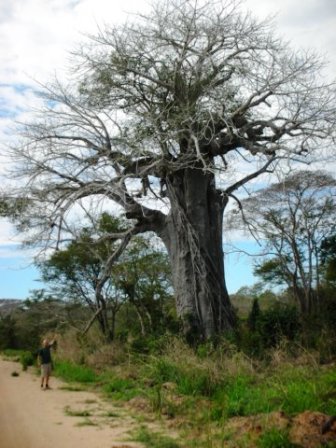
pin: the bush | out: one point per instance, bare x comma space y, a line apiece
8, 333
281, 321
26, 359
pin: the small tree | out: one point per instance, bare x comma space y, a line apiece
78, 273
254, 315
144, 275
88, 272
294, 217
328, 259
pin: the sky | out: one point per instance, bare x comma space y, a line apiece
36, 38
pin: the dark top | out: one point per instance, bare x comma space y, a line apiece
45, 355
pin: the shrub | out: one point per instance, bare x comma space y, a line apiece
280, 321
254, 315
26, 359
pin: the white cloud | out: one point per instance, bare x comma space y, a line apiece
36, 35
307, 24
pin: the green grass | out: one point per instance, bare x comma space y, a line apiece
74, 373
119, 388
25, 357
153, 439
205, 395
293, 391
275, 438
26, 360
189, 381
12, 353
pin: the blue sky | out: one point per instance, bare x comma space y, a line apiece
18, 275
17, 278
35, 39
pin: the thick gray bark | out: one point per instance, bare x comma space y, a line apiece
193, 237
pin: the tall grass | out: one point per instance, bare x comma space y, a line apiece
275, 438
72, 372
119, 388
202, 390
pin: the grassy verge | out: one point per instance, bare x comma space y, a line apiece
153, 439
292, 390
198, 395
74, 373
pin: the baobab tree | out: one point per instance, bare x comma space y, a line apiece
158, 117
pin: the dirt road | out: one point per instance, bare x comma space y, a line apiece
34, 418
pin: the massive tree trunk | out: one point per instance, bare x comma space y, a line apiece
193, 237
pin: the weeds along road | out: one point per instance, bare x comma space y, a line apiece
57, 418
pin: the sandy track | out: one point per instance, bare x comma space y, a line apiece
34, 418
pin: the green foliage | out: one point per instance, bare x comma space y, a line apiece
281, 321
134, 296
328, 311
268, 328
30, 321
241, 396
26, 359
74, 373
243, 299
275, 438
14, 354
194, 382
174, 384
254, 315
13, 207
153, 344
328, 258
292, 390
153, 439
8, 333
272, 271
143, 276
120, 388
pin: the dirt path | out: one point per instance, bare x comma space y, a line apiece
34, 418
